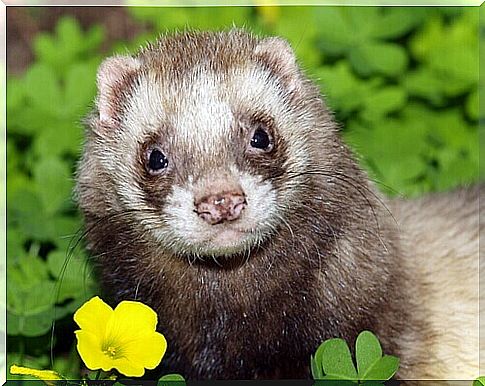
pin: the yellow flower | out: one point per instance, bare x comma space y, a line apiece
45, 375
123, 338
269, 10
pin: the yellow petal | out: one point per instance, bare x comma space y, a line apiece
136, 314
128, 368
90, 349
93, 316
45, 375
130, 321
147, 350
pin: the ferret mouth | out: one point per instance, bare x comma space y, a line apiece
225, 241
226, 249
227, 237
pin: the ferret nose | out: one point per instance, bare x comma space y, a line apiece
217, 208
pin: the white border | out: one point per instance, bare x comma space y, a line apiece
182, 3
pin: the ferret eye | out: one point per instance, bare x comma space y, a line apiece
157, 161
261, 140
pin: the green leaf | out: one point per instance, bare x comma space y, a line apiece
26, 212
171, 379
394, 22
68, 45
338, 39
42, 88
336, 360
384, 101
15, 93
480, 381
93, 38
68, 366
383, 142
455, 169
472, 105
32, 325
367, 351
345, 91
316, 368
32, 296
40, 298
450, 50
25, 272
15, 241
30, 301
58, 138
54, 183
67, 230
426, 83
80, 88
31, 120
72, 273
384, 58
69, 31
427, 37
383, 369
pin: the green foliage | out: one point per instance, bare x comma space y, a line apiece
171, 380
402, 82
68, 46
480, 381
415, 125
47, 280
333, 361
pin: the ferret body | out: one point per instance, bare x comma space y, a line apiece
215, 188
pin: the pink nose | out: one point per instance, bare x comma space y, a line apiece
218, 208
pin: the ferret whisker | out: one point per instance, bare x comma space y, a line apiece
281, 218
214, 258
345, 179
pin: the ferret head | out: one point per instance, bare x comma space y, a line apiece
202, 142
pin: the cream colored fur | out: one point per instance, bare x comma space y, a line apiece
441, 234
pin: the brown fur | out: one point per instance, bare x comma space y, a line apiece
336, 265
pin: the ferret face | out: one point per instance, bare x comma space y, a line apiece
198, 158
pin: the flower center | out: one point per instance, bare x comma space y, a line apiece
110, 351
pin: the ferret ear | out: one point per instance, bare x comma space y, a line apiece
278, 54
113, 74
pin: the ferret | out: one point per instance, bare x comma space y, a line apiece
216, 188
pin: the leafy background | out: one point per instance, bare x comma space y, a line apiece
402, 82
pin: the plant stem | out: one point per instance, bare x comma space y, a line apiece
22, 350
98, 374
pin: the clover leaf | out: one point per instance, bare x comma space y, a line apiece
333, 361
72, 274
369, 51
54, 183
68, 45
367, 351
171, 379
345, 92
480, 381
457, 42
